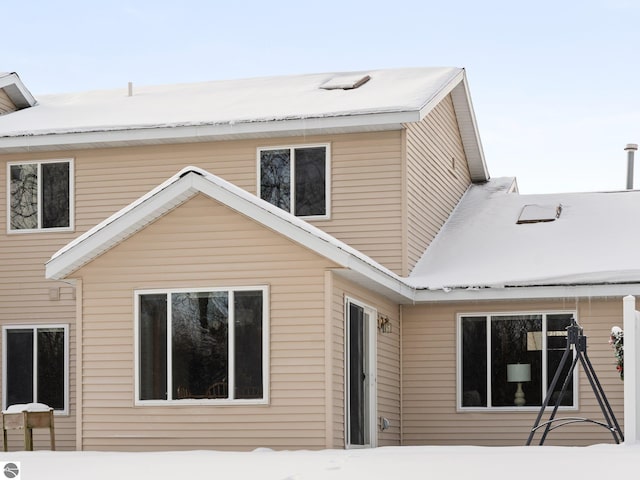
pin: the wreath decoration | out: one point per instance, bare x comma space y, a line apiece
617, 343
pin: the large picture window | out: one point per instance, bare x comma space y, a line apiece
509, 360
35, 365
40, 195
295, 179
202, 345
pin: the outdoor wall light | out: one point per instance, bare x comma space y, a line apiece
384, 324
384, 424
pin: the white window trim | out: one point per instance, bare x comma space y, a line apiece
327, 183
372, 358
488, 315
213, 401
34, 327
71, 227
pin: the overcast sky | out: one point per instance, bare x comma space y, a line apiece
554, 83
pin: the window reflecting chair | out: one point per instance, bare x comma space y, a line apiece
183, 392
471, 398
249, 392
218, 390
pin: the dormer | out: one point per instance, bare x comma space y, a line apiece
13, 93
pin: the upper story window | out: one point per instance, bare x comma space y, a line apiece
40, 196
296, 179
206, 346
509, 360
36, 365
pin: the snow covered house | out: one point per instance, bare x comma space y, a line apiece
313, 261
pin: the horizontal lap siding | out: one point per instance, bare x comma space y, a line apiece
429, 378
6, 105
163, 255
366, 210
24, 299
433, 186
388, 361
366, 182
367, 195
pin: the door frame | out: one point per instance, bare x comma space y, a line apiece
370, 359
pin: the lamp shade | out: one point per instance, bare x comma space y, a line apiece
519, 372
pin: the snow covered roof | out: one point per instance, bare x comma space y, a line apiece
191, 181
231, 109
589, 239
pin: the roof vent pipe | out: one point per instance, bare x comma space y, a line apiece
130, 89
630, 149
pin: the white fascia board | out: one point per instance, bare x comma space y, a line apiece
527, 293
392, 288
181, 133
469, 131
8, 79
96, 241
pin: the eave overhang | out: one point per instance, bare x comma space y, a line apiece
16, 91
166, 134
526, 293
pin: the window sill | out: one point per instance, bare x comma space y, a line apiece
190, 402
309, 218
527, 409
41, 230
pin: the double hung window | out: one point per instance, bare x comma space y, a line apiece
509, 360
35, 365
40, 196
296, 179
206, 345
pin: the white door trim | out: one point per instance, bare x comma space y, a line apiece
370, 357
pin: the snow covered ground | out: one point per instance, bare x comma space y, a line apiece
389, 463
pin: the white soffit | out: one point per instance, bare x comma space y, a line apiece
469, 131
16, 90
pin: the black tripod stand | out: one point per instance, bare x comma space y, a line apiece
579, 341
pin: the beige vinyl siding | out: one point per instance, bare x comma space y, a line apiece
204, 244
366, 182
366, 210
111, 178
25, 300
437, 176
429, 378
6, 105
388, 362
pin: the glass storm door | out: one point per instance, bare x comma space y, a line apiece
360, 427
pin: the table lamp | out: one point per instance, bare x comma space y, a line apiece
519, 373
